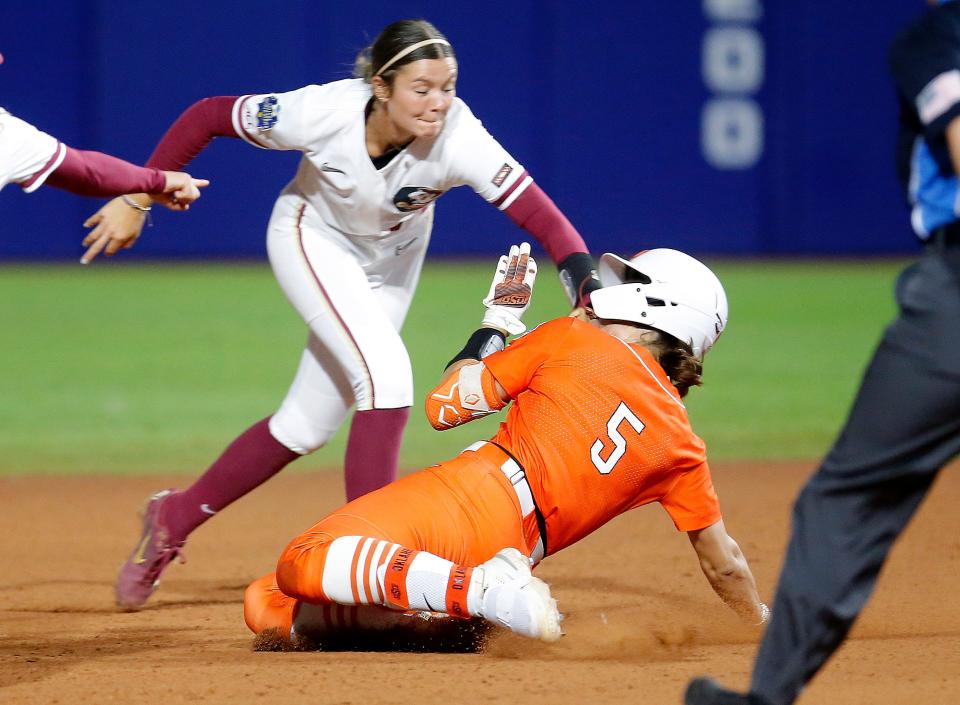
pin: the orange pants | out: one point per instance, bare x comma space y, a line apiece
463, 510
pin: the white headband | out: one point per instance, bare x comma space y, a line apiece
413, 47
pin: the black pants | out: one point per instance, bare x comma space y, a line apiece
903, 428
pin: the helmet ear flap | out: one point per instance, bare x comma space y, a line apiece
623, 302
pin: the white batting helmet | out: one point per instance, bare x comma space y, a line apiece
663, 289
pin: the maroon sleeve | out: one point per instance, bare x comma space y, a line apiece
97, 174
538, 215
193, 130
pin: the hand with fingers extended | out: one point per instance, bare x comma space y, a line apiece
116, 226
119, 223
511, 291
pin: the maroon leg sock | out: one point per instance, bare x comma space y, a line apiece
373, 450
253, 458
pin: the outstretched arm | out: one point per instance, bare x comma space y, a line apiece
467, 390
87, 173
534, 211
727, 571
119, 223
193, 131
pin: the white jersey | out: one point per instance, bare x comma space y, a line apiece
27, 155
336, 176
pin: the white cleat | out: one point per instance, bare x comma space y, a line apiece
513, 598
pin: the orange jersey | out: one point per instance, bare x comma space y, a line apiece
599, 429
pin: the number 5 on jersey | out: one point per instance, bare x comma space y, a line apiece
622, 413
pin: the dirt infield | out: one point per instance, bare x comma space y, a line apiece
640, 617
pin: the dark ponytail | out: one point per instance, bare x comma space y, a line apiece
677, 360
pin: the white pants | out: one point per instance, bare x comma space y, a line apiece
353, 294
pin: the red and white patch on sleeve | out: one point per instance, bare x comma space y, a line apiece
501, 175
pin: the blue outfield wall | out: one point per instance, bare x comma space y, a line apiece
744, 127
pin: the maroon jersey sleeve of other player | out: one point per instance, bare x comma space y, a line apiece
192, 131
535, 212
97, 174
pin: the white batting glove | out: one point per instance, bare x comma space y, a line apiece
511, 291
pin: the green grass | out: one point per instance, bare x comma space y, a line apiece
136, 369
782, 377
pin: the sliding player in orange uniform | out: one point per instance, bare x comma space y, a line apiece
597, 427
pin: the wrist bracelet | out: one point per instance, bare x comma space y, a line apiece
136, 206
133, 204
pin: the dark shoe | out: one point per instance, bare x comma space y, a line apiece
706, 691
140, 575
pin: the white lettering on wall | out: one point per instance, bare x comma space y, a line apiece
732, 64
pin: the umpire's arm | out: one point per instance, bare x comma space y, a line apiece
952, 135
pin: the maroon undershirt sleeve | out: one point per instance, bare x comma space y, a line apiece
97, 174
538, 215
192, 131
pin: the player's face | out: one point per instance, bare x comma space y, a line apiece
421, 96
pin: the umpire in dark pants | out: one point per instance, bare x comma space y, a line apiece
905, 422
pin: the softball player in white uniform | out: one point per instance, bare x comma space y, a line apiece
27, 155
346, 240
31, 158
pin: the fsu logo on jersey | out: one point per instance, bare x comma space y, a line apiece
267, 113
413, 198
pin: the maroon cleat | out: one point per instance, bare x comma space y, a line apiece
140, 575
